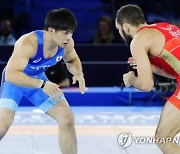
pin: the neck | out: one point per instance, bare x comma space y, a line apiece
135, 29
49, 44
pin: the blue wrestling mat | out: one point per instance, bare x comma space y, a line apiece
111, 96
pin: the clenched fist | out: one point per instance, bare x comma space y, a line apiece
127, 78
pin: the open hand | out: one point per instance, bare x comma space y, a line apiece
80, 78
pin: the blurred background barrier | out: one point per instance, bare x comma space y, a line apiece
104, 66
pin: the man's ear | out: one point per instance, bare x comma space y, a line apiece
51, 30
126, 28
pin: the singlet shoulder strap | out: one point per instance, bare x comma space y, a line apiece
39, 34
39, 53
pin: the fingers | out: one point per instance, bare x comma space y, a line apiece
134, 67
126, 83
132, 62
80, 79
53, 91
127, 77
131, 72
82, 86
74, 80
57, 95
131, 59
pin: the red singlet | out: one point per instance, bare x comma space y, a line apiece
169, 58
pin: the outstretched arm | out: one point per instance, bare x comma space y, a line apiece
74, 65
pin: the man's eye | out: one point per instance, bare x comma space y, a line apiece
68, 32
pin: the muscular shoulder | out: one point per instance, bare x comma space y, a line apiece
26, 44
148, 38
149, 32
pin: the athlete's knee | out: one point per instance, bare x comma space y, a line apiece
4, 127
6, 119
162, 132
159, 134
67, 120
162, 135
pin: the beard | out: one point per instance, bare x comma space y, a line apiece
127, 38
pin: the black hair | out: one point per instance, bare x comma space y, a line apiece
60, 19
131, 14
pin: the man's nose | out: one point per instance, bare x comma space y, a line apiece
69, 36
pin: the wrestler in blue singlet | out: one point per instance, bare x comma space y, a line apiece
12, 94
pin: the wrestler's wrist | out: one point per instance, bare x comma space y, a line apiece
43, 84
40, 84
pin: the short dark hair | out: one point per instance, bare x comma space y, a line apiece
131, 14
60, 19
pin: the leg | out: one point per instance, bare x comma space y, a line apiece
10, 97
169, 127
6, 119
62, 113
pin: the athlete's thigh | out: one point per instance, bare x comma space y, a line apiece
11, 96
36, 95
53, 107
169, 124
61, 111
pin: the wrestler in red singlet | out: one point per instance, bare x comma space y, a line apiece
169, 59
155, 49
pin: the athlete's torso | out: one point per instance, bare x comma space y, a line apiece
39, 63
169, 58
